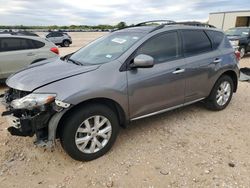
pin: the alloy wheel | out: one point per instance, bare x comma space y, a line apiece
223, 93
93, 134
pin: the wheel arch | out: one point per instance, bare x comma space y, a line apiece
65, 40
234, 77
116, 107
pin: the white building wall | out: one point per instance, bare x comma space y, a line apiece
226, 20
216, 20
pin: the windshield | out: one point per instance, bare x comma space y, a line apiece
243, 32
106, 49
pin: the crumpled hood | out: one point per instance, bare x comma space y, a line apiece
45, 72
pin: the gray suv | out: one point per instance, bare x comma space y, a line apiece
85, 97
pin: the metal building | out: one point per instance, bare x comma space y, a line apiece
226, 20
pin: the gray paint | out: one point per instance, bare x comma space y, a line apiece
138, 91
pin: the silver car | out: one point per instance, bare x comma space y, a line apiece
60, 38
84, 98
19, 51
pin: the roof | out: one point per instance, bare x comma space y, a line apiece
143, 29
234, 11
9, 35
23, 36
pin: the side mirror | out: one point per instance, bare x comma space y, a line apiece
143, 61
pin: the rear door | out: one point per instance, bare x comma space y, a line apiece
15, 54
160, 87
201, 60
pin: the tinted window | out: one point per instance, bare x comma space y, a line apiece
216, 38
195, 42
162, 48
57, 35
49, 35
12, 44
38, 44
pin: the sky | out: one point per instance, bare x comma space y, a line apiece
94, 12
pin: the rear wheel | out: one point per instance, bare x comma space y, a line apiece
90, 132
242, 51
66, 43
221, 94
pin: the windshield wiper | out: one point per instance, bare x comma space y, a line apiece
74, 62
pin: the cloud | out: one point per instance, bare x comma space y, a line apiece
93, 12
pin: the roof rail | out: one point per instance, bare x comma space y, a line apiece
145, 23
190, 23
154, 21
169, 22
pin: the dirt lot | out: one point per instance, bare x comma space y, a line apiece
188, 147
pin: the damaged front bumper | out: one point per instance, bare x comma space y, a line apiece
41, 122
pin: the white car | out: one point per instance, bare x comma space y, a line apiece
19, 51
60, 38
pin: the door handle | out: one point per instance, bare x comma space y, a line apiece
178, 71
217, 60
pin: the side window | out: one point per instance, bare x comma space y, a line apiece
162, 48
49, 35
37, 44
58, 35
14, 44
216, 38
195, 42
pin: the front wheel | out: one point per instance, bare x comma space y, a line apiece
89, 132
221, 94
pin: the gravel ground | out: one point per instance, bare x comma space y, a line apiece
187, 147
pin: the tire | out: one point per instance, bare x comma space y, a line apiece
66, 43
70, 136
242, 51
213, 102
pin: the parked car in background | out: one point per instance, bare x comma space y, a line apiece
27, 33
239, 37
19, 51
60, 38
85, 97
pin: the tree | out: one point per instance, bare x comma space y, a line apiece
121, 25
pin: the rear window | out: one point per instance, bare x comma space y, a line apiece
216, 38
195, 42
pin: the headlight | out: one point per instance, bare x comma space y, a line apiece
32, 101
234, 42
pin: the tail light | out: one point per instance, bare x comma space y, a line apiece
237, 54
55, 50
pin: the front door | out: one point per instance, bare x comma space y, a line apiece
162, 86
